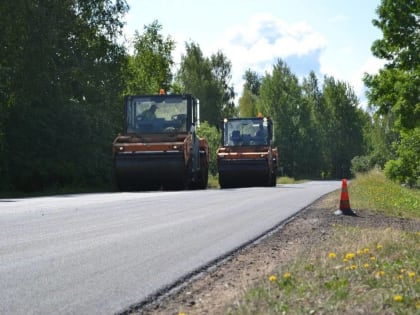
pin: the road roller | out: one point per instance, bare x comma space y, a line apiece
246, 156
159, 147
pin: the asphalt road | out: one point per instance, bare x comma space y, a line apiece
101, 253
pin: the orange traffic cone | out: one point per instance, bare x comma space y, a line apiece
344, 200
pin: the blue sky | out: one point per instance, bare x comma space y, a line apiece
330, 37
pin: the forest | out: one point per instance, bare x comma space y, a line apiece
64, 73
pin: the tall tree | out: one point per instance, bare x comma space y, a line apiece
247, 104
396, 87
62, 83
344, 123
253, 81
251, 91
209, 80
222, 75
315, 149
395, 91
150, 68
280, 98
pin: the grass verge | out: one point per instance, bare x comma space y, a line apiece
356, 270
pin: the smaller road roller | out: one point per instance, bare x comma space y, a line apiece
246, 156
159, 147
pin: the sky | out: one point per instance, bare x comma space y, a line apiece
329, 37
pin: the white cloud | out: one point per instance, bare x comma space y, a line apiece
265, 38
257, 44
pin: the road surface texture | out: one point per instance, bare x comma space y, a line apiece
101, 253
218, 290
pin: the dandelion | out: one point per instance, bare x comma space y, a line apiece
331, 255
366, 265
379, 273
287, 275
353, 267
272, 278
359, 252
411, 274
181, 313
398, 298
379, 246
345, 260
349, 256
366, 250
373, 258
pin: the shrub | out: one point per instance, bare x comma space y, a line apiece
360, 164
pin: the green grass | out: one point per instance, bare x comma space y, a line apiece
356, 270
375, 192
287, 180
213, 181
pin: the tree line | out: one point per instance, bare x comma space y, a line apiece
63, 74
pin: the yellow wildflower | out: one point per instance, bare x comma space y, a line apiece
359, 252
366, 250
379, 246
272, 278
349, 256
287, 275
372, 258
411, 274
331, 255
353, 267
379, 273
398, 298
345, 260
181, 313
366, 265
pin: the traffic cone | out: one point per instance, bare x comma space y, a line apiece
344, 200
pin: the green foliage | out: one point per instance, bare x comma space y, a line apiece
406, 168
253, 82
373, 191
213, 137
251, 92
399, 23
360, 164
149, 69
343, 123
247, 104
317, 132
380, 136
394, 91
280, 98
208, 79
59, 93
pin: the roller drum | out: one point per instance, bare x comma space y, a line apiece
243, 172
149, 171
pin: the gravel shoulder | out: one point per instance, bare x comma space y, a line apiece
220, 287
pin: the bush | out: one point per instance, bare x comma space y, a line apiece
360, 164
406, 168
213, 137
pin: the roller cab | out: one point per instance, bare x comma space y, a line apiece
246, 156
159, 148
